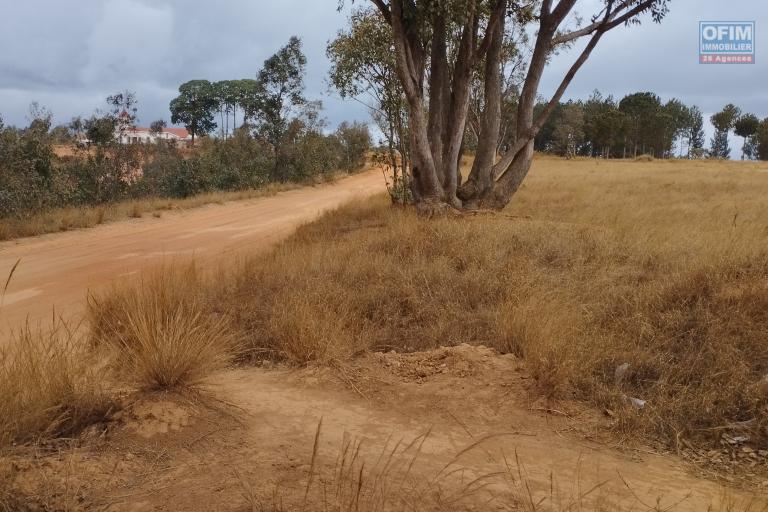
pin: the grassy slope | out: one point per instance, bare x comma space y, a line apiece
660, 265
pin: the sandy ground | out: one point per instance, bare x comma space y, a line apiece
56, 271
248, 444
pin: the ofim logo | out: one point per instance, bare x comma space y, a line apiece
727, 42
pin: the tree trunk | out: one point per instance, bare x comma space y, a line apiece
437, 129
480, 179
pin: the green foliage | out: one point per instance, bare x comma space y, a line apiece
27, 177
363, 65
281, 138
761, 140
568, 135
157, 127
640, 123
194, 107
33, 179
100, 130
719, 147
354, 141
746, 127
282, 79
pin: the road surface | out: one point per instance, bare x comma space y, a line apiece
57, 271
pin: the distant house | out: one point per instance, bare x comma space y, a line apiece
138, 134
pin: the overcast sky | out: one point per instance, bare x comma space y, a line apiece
68, 55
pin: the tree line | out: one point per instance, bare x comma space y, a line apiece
276, 135
641, 123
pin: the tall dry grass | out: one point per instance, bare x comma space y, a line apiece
662, 266
50, 385
158, 331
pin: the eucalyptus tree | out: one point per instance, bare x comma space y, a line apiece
746, 127
723, 122
281, 81
440, 43
761, 140
694, 132
363, 67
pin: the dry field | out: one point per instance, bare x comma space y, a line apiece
622, 310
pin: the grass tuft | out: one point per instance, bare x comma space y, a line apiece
159, 331
50, 385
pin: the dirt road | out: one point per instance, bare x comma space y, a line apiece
56, 271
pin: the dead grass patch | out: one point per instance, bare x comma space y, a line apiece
50, 385
158, 330
596, 264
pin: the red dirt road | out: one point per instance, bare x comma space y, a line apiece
56, 271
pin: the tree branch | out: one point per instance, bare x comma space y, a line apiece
384, 10
611, 22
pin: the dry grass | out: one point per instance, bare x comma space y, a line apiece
660, 265
66, 219
395, 477
159, 332
50, 385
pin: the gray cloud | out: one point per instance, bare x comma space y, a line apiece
70, 55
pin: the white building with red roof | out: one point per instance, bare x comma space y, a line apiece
138, 134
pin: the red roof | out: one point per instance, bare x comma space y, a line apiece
181, 133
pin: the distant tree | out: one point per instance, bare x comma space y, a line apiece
61, 134
723, 122
674, 120
100, 130
157, 127
355, 141
194, 107
569, 130
694, 132
746, 127
603, 125
761, 140
77, 128
124, 107
223, 93
642, 110
282, 79
250, 99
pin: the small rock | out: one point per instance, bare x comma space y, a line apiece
637, 403
620, 372
762, 453
735, 440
